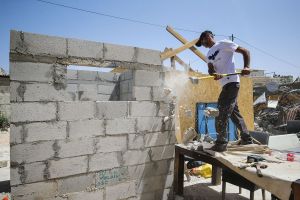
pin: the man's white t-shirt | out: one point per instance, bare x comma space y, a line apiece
221, 56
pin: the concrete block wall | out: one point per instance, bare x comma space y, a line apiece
67, 147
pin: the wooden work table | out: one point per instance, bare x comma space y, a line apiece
181, 151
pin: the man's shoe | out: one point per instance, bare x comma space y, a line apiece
219, 147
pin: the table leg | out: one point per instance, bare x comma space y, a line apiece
296, 189
178, 173
216, 175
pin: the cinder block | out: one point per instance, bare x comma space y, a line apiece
169, 181
143, 109
39, 44
106, 89
112, 109
149, 124
24, 152
147, 78
4, 98
108, 76
159, 94
148, 56
27, 71
124, 86
40, 92
68, 166
45, 131
87, 75
93, 195
121, 191
163, 152
86, 128
75, 147
85, 49
72, 74
156, 139
135, 157
103, 97
37, 190
111, 144
118, 52
120, 126
24, 112
16, 134
29, 173
139, 172
172, 137
87, 92
151, 184
104, 161
165, 109
141, 93
135, 141
127, 75
111, 176
76, 110
76, 183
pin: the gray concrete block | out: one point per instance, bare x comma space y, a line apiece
147, 78
34, 132
27, 173
163, 152
92, 195
76, 110
141, 93
104, 161
106, 89
40, 92
68, 166
165, 109
135, 157
126, 97
23, 152
4, 98
156, 139
23, 112
37, 190
124, 86
86, 128
39, 44
143, 109
111, 144
87, 75
127, 75
120, 126
87, 92
76, 183
139, 172
121, 191
118, 52
108, 76
111, 176
135, 141
158, 94
151, 184
72, 74
75, 147
27, 71
16, 134
149, 124
148, 56
103, 97
112, 109
85, 49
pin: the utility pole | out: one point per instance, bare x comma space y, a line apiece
231, 37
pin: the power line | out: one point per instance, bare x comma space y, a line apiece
161, 26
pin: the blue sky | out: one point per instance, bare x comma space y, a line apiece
269, 25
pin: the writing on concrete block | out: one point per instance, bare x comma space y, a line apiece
111, 176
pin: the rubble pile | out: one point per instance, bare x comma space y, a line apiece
274, 120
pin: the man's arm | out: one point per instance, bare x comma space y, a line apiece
246, 57
212, 71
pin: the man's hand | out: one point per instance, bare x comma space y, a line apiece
217, 76
245, 71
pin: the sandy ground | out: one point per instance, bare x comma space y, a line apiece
202, 189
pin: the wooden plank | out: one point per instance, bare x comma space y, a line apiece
181, 62
170, 54
184, 41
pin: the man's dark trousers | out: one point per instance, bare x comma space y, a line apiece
228, 108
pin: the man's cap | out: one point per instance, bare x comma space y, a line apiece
203, 34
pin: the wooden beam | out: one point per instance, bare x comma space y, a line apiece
181, 62
170, 54
184, 41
